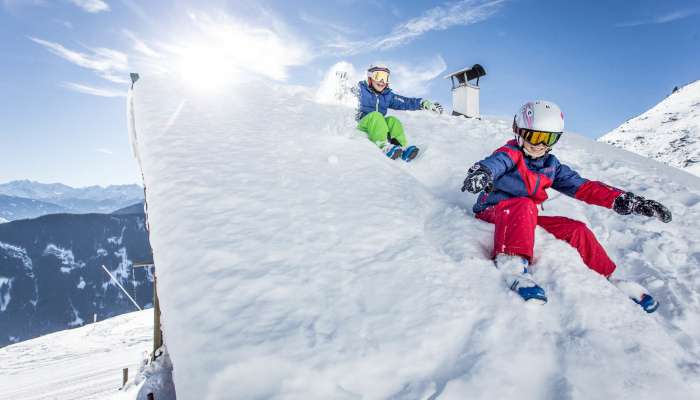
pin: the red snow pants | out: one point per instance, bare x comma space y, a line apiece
516, 219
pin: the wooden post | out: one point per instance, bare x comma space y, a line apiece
157, 332
125, 376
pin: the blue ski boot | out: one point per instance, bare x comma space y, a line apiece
392, 151
409, 153
518, 278
637, 293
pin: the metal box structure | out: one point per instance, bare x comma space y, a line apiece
465, 95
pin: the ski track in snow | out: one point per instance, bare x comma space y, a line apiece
322, 269
81, 363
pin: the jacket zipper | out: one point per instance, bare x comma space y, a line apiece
537, 185
376, 108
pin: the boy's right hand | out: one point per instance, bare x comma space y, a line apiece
478, 179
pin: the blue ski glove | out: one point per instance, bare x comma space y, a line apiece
629, 203
478, 179
430, 106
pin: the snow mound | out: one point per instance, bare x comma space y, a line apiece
669, 132
295, 261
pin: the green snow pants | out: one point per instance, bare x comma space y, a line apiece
381, 130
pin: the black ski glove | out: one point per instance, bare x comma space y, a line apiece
478, 179
628, 203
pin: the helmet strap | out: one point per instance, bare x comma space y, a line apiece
520, 140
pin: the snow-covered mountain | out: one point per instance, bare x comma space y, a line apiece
77, 364
669, 132
51, 275
297, 261
91, 199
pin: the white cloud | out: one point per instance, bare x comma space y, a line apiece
414, 80
107, 63
104, 151
220, 44
138, 11
101, 92
465, 12
92, 6
661, 19
140, 46
210, 49
326, 25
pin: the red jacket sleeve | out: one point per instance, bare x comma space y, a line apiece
598, 193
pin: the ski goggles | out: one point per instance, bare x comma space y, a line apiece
538, 137
379, 75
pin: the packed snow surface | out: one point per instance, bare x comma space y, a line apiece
669, 132
295, 261
83, 363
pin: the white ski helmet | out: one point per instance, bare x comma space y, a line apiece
539, 115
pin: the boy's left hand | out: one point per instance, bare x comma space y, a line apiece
628, 203
429, 105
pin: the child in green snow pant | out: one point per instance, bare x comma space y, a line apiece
381, 130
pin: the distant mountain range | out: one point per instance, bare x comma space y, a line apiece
669, 132
12, 208
28, 199
51, 276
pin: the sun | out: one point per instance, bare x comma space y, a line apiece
205, 67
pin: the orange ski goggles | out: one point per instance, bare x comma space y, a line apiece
539, 137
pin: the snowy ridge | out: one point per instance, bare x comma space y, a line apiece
296, 261
669, 132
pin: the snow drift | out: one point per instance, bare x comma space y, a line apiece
669, 132
294, 260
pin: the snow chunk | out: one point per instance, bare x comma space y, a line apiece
336, 85
66, 257
77, 321
5, 289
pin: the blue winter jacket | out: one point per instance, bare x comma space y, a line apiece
515, 175
370, 100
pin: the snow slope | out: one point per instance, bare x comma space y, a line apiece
296, 261
669, 132
83, 363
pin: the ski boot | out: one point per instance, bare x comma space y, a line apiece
518, 279
637, 293
392, 151
409, 153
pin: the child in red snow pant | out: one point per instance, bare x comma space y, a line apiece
515, 221
513, 181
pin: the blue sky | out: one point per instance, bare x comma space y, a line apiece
64, 62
